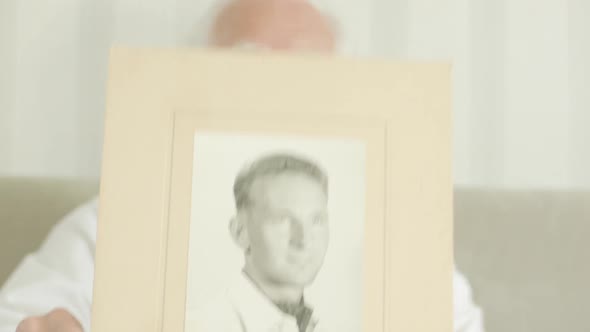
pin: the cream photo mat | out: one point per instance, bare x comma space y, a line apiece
373, 137
157, 99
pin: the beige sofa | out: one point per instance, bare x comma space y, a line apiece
525, 253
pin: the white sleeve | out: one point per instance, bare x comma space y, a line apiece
58, 275
468, 316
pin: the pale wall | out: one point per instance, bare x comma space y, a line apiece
521, 77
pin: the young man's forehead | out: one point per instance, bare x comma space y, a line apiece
272, 187
286, 179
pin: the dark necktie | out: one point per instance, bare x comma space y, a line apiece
300, 311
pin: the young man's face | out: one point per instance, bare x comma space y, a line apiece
287, 227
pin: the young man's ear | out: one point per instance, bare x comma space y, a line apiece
238, 231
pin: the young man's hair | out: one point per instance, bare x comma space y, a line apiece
274, 164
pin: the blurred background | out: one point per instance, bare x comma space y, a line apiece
521, 90
521, 68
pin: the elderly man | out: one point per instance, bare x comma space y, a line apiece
51, 290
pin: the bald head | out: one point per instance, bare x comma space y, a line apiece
273, 24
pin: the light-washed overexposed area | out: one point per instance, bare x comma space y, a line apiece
521, 69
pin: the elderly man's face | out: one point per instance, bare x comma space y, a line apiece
287, 227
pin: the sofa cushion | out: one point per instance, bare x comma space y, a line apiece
527, 256
29, 207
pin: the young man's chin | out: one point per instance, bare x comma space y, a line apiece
301, 279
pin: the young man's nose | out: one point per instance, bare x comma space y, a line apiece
299, 234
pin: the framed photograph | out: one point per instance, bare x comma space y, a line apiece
246, 191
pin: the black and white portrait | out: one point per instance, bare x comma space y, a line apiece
276, 234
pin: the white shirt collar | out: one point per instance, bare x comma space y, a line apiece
258, 312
